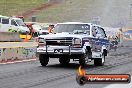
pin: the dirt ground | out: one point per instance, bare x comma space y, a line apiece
41, 7
114, 13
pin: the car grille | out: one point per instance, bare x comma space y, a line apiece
59, 41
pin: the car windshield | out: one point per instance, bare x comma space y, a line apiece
20, 23
72, 28
45, 28
37, 27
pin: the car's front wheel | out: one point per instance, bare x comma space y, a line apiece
82, 62
84, 58
44, 59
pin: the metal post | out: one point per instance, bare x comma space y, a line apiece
130, 11
33, 18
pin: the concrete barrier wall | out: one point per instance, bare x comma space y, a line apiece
21, 53
9, 36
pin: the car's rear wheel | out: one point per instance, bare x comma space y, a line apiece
64, 60
44, 59
99, 61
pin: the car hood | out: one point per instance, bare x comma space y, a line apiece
64, 35
24, 29
43, 31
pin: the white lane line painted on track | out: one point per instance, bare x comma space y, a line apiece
19, 46
19, 61
17, 42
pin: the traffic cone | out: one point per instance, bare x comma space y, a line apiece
31, 35
26, 39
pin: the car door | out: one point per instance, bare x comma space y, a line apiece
94, 39
98, 39
5, 24
101, 38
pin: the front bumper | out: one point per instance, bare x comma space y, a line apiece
66, 51
58, 50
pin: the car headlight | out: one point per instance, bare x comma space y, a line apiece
77, 42
41, 40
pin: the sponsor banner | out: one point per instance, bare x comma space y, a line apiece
128, 34
83, 78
